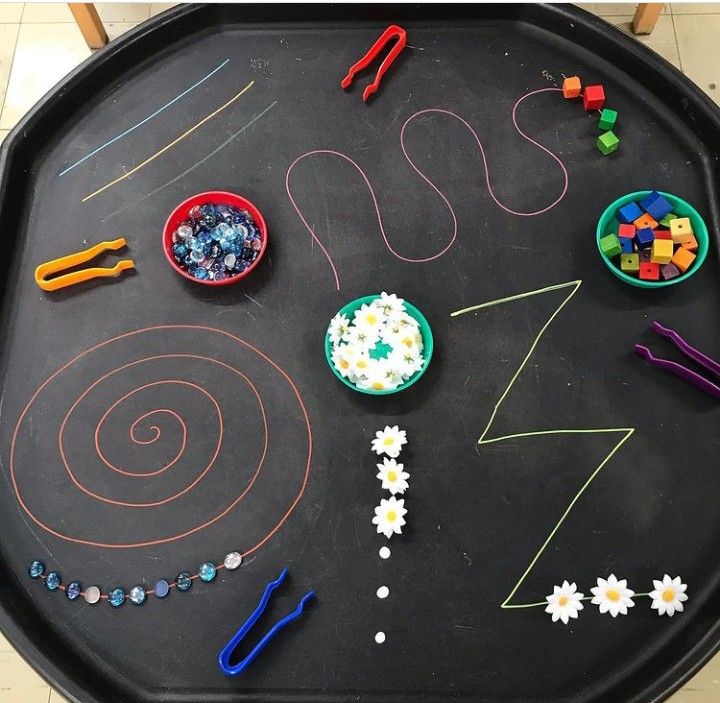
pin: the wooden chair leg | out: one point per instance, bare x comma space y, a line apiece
90, 24
646, 16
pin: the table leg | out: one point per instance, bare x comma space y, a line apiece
646, 15
90, 24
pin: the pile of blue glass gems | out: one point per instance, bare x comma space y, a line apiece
216, 241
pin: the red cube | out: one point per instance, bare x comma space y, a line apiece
593, 97
662, 234
649, 271
626, 231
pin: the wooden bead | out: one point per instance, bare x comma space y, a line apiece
683, 259
649, 271
608, 118
626, 230
644, 238
593, 97
662, 234
610, 245
630, 263
607, 143
572, 87
690, 243
662, 251
645, 220
680, 227
669, 271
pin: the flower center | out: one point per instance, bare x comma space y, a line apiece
388, 441
668, 595
378, 387
362, 363
392, 476
613, 595
371, 319
563, 601
344, 363
391, 516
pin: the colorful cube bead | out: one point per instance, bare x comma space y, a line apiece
689, 242
572, 87
656, 205
644, 238
608, 118
629, 213
626, 244
649, 271
665, 221
593, 97
662, 251
630, 263
626, 230
645, 220
662, 234
683, 259
669, 271
680, 227
607, 143
610, 245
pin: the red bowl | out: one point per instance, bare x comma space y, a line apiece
180, 213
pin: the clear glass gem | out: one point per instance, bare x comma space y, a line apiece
92, 594
137, 595
232, 561
36, 569
52, 581
183, 581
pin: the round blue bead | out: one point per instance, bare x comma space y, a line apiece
180, 250
204, 238
208, 571
162, 588
183, 581
200, 273
73, 590
195, 244
36, 569
52, 580
137, 595
116, 597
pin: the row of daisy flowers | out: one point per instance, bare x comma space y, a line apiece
390, 514
613, 596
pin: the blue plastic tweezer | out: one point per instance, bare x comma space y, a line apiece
229, 648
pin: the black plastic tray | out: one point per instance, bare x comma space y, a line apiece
477, 514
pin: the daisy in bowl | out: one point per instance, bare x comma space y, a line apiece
390, 304
393, 478
390, 516
564, 603
408, 361
339, 327
389, 441
368, 317
364, 338
612, 596
668, 596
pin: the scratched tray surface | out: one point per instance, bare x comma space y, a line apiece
478, 514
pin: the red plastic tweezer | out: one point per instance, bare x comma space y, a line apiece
393, 31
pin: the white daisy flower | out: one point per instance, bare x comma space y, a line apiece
364, 338
393, 478
668, 596
389, 441
362, 365
339, 327
407, 361
389, 516
613, 596
377, 380
564, 603
390, 304
368, 317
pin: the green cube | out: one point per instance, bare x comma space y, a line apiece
665, 222
630, 263
610, 245
608, 118
607, 143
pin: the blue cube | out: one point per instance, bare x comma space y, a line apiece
658, 208
627, 214
644, 238
626, 244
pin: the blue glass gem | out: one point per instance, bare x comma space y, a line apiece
162, 588
183, 581
207, 571
179, 251
52, 580
195, 244
73, 590
248, 254
218, 275
204, 238
242, 231
201, 273
241, 265
209, 215
116, 597
36, 569
137, 595
215, 251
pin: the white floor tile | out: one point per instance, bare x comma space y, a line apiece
695, 8
47, 12
116, 29
11, 11
700, 51
157, 7
611, 9
662, 39
8, 38
123, 11
39, 64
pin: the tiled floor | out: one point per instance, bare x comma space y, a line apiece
40, 43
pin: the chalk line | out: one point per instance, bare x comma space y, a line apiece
427, 180
175, 141
194, 166
143, 121
625, 431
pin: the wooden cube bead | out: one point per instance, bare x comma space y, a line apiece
645, 220
662, 251
690, 243
608, 118
680, 227
683, 259
610, 245
669, 271
593, 97
630, 263
662, 234
629, 213
644, 238
649, 271
607, 143
626, 230
665, 221
572, 87
627, 245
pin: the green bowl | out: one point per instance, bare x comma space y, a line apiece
425, 332
608, 224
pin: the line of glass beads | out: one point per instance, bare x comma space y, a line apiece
138, 594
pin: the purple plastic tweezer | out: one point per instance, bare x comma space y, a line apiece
678, 369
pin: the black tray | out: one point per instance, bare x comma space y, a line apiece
478, 514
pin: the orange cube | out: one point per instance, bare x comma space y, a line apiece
689, 242
645, 221
683, 259
572, 87
680, 227
662, 251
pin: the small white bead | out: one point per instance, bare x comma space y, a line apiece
383, 592
92, 594
384, 552
233, 561
380, 637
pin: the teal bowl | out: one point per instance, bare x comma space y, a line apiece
608, 224
425, 332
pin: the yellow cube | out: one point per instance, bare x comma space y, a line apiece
680, 227
662, 251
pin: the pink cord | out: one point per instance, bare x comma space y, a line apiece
430, 183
